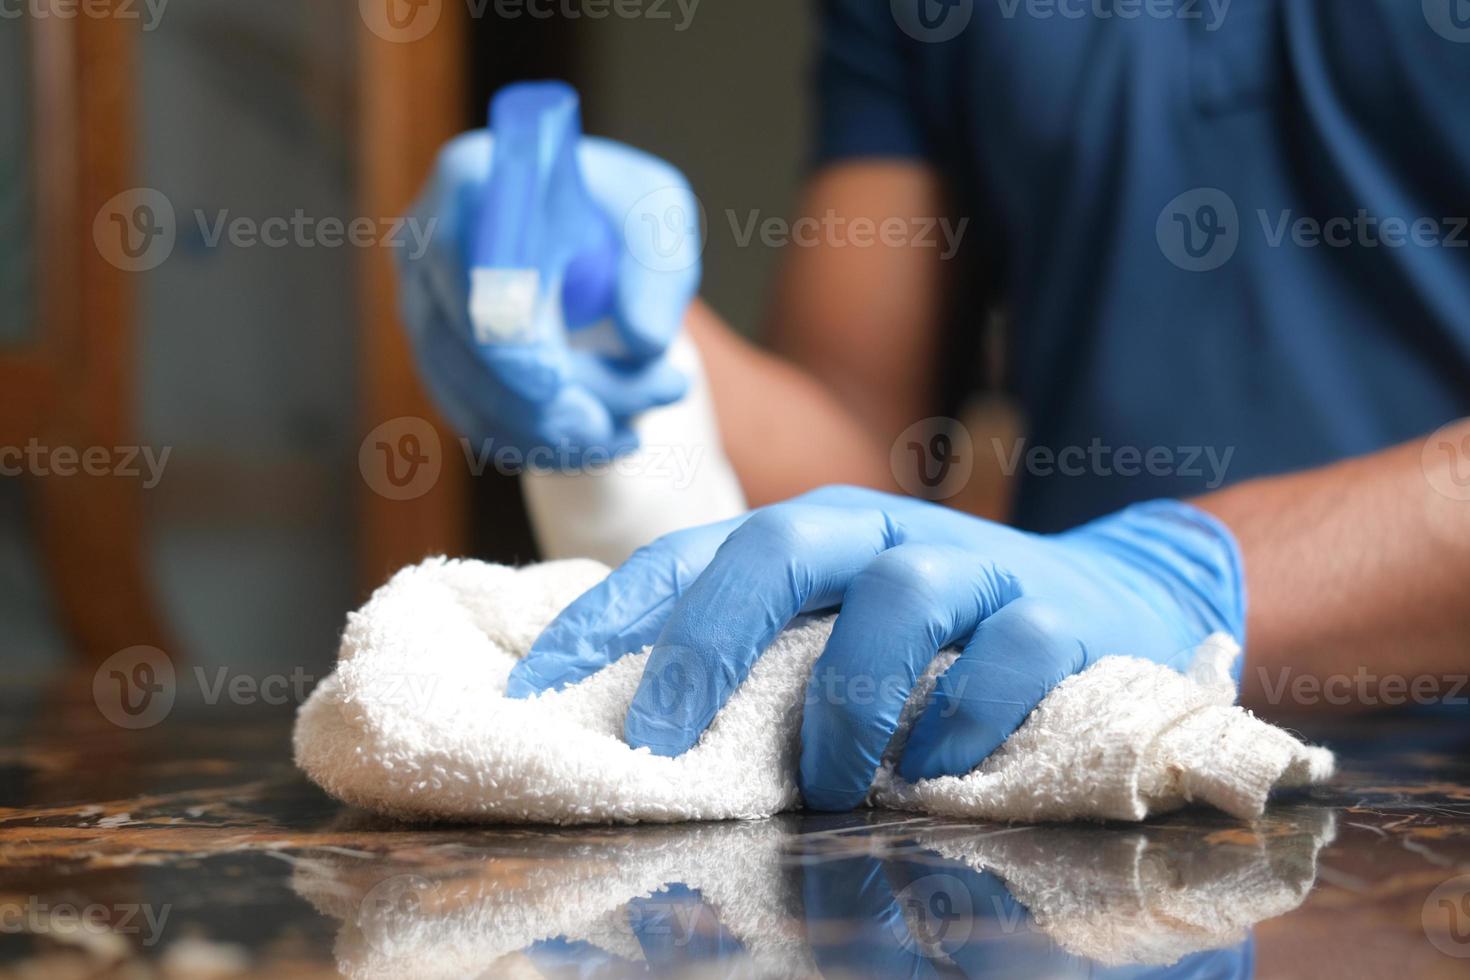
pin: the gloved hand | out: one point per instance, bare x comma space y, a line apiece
543, 393
912, 578
919, 915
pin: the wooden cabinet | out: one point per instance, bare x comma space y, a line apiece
70, 373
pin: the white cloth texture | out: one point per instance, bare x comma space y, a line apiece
414, 724
1104, 895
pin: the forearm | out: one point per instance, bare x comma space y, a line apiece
1359, 570
784, 432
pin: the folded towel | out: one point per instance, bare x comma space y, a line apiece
1092, 895
414, 724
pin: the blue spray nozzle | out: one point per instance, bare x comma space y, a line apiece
538, 214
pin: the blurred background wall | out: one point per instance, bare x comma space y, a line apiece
246, 367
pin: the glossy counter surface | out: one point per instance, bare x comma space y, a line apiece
193, 848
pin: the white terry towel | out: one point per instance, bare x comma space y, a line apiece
1103, 895
414, 724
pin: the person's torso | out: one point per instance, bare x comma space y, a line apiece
1231, 236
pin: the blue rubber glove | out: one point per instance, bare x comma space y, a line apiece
544, 393
911, 578
920, 915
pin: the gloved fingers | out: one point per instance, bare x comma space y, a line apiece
654, 291
562, 957
542, 410
1010, 664
659, 223
628, 390
448, 210
902, 609
680, 932
783, 560
621, 614
454, 379
856, 924
970, 918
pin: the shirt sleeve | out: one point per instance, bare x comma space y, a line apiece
864, 92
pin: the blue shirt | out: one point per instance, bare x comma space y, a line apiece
1220, 230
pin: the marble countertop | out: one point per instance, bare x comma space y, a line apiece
194, 848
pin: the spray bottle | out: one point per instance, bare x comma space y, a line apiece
543, 266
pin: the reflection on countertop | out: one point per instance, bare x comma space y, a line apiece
194, 849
